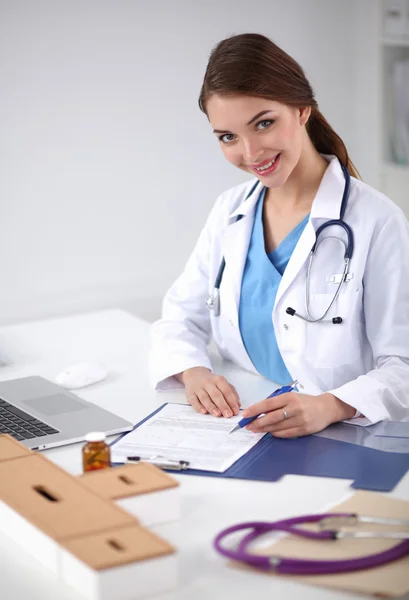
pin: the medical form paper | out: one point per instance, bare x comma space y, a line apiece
178, 432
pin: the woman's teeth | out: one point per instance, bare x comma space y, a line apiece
267, 166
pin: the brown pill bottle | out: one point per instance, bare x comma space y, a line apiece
96, 454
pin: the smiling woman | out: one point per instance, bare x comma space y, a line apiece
253, 261
252, 65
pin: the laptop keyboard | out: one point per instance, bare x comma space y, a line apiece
20, 424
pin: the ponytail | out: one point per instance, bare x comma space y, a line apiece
326, 141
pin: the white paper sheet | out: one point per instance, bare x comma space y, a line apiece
178, 432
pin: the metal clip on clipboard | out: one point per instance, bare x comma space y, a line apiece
161, 462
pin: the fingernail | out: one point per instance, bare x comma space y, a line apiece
203, 411
236, 411
216, 413
227, 413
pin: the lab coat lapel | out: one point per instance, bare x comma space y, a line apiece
297, 260
235, 247
326, 206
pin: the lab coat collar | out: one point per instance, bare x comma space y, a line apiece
247, 205
327, 202
235, 247
326, 206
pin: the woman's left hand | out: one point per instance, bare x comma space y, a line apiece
294, 414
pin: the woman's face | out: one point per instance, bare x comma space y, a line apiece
262, 137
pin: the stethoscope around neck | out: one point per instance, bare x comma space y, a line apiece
213, 300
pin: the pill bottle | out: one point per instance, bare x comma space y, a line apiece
96, 453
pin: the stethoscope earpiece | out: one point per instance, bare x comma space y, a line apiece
293, 313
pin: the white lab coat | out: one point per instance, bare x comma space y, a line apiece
364, 361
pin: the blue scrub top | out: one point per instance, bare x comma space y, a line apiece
261, 278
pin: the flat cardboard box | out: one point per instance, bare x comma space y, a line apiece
389, 580
142, 489
41, 504
11, 448
124, 563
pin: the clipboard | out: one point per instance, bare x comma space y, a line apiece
272, 458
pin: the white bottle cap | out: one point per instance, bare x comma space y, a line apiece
95, 436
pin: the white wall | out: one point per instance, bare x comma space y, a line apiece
366, 93
107, 167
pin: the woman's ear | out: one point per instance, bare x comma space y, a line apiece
305, 113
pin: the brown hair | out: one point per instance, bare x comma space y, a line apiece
252, 65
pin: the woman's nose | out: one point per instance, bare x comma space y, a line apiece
252, 152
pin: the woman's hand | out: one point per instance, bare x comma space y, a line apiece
293, 414
210, 393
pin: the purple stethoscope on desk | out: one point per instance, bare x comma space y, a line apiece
213, 300
298, 566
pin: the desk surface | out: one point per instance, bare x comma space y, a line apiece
121, 342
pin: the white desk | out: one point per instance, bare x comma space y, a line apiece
121, 341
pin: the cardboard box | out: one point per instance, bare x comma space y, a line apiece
11, 448
40, 505
124, 563
83, 538
142, 489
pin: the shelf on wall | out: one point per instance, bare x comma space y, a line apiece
388, 41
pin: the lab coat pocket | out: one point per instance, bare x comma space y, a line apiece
331, 345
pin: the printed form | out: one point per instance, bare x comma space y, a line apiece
178, 432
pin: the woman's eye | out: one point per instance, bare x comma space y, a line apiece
226, 138
265, 124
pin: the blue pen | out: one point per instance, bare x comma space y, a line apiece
283, 390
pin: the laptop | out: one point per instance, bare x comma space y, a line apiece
41, 414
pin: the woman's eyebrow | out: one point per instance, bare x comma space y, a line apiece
257, 116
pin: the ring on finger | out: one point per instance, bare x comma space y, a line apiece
285, 413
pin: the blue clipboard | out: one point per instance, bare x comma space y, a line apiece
272, 458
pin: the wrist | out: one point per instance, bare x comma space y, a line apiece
185, 376
340, 411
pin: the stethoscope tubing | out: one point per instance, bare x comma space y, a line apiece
213, 301
297, 566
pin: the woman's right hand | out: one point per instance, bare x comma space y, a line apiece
210, 393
